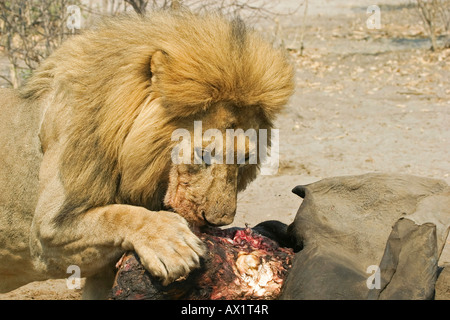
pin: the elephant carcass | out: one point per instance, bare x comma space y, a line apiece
376, 236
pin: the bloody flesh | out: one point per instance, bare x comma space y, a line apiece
240, 264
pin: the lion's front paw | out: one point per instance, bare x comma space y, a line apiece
168, 249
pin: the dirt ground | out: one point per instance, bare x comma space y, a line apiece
366, 101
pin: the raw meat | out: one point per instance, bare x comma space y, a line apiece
240, 264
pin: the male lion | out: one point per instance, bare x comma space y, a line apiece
85, 162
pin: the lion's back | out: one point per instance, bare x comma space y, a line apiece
20, 158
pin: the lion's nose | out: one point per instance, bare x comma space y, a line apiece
218, 219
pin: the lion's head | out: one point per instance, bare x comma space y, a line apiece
128, 84
204, 189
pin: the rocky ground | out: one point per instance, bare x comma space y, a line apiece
366, 101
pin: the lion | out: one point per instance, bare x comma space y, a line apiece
85, 164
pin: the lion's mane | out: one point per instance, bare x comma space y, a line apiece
122, 113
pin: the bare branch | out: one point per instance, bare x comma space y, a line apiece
435, 14
140, 6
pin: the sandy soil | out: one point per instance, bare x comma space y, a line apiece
366, 101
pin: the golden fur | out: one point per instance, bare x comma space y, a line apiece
109, 100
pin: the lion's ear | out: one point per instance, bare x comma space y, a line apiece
157, 62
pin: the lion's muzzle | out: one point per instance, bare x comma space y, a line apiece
219, 219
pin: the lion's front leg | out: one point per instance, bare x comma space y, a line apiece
163, 240
97, 238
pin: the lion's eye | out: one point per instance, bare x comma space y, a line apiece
207, 157
198, 156
202, 156
242, 161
